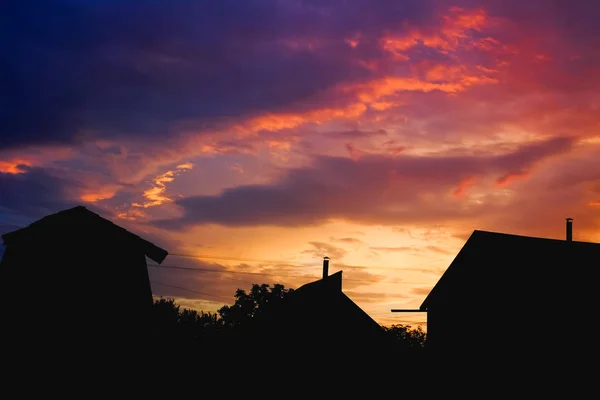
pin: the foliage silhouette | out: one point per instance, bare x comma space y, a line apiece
406, 337
249, 305
174, 323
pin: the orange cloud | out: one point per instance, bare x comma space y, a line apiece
445, 73
454, 27
13, 166
131, 214
103, 194
276, 122
383, 105
353, 42
393, 148
463, 187
396, 150
279, 145
372, 92
375, 90
156, 195
185, 166
354, 153
511, 177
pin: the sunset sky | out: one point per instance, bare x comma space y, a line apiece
255, 137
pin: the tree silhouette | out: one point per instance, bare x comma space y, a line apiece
173, 323
249, 305
166, 312
406, 338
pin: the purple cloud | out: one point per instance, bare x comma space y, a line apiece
34, 193
371, 189
113, 69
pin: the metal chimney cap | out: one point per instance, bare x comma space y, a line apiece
569, 219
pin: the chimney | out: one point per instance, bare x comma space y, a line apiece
325, 267
569, 229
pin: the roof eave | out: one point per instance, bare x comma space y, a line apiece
426, 303
152, 251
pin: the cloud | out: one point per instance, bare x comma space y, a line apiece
411, 249
347, 240
165, 68
422, 291
396, 249
161, 64
156, 194
355, 276
436, 249
157, 89
35, 192
397, 189
320, 249
371, 297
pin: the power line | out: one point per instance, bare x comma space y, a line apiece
246, 273
227, 277
259, 273
209, 257
191, 290
201, 256
212, 270
228, 300
228, 272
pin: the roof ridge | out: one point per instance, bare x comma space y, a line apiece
479, 231
89, 217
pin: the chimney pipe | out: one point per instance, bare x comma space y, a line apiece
569, 229
325, 267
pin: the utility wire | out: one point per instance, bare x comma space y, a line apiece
226, 277
225, 271
191, 290
403, 320
248, 273
200, 257
176, 267
229, 300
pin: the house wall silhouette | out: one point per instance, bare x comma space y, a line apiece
505, 293
75, 277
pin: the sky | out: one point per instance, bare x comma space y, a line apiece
252, 138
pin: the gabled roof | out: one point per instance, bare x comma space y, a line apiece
491, 260
331, 283
331, 286
321, 301
81, 221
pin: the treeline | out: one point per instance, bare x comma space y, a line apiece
173, 322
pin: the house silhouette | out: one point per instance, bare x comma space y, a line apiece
75, 279
506, 293
317, 319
